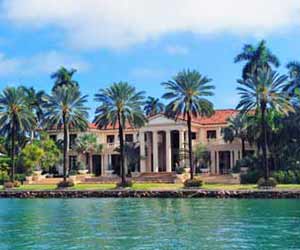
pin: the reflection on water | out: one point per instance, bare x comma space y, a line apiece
149, 224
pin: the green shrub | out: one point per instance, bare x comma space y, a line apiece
290, 177
279, 176
127, 183
3, 177
287, 177
20, 177
251, 177
196, 182
262, 182
179, 170
66, 184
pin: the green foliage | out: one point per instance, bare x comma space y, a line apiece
153, 106
87, 143
64, 77
246, 162
179, 170
270, 182
194, 183
31, 156
251, 177
287, 177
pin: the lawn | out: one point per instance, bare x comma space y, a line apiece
156, 186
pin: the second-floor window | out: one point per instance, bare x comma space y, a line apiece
110, 138
129, 138
211, 134
72, 141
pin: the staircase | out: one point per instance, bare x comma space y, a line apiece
161, 177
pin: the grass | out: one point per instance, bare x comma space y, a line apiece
156, 186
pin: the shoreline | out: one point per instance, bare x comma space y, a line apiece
124, 193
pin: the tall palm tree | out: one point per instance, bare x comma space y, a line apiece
262, 93
64, 77
153, 106
35, 101
237, 128
256, 57
187, 92
64, 109
15, 117
120, 104
87, 144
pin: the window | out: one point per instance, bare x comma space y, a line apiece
73, 162
53, 137
72, 141
129, 138
110, 138
211, 134
194, 135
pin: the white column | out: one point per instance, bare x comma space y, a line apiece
213, 162
231, 159
217, 163
142, 152
155, 152
168, 152
181, 146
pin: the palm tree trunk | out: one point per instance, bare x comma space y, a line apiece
121, 150
189, 124
13, 150
264, 142
66, 148
243, 149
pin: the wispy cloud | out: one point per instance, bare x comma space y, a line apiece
90, 24
148, 73
42, 63
177, 50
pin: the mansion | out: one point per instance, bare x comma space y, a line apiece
159, 144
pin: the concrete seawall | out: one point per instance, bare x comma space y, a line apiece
123, 193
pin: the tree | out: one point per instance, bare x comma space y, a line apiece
261, 93
153, 106
15, 116
87, 144
120, 104
65, 109
237, 128
64, 77
256, 57
34, 100
294, 77
31, 156
52, 154
187, 92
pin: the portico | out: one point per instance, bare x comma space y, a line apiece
160, 141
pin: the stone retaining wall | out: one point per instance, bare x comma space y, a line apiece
257, 194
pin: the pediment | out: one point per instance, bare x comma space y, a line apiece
162, 120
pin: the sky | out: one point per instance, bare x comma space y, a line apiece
143, 42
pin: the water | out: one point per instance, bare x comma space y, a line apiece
149, 224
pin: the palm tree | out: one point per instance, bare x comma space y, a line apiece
294, 76
153, 106
66, 109
187, 92
256, 57
87, 144
120, 104
64, 77
35, 101
15, 117
262, 93
237, 128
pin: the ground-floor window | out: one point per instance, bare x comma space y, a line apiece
73, 162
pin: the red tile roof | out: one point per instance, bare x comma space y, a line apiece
219, 117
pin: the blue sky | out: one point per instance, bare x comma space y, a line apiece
140, 41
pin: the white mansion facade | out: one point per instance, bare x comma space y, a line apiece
160, 142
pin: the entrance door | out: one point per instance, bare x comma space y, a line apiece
97, 165
224, 162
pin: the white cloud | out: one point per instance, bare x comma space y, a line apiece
42, 63
92, 24
177, 50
